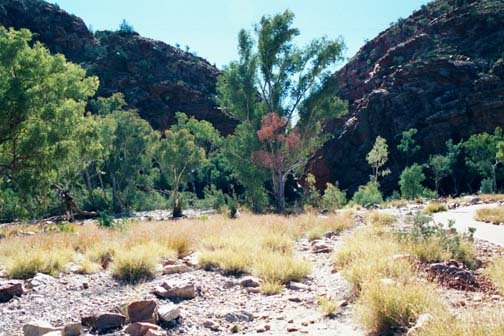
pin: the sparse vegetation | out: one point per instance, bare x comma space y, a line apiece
490, 215
496, 273
380, 219
327, 305
434, 207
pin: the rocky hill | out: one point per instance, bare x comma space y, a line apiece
157, 79
439, 71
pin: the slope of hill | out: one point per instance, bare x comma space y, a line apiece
157, 79
439, 71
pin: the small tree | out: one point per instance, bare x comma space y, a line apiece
408, 145
311, 194
368, 195
411, 180
178, 156
125, 27
452, 154
482, 155
333, 197
377, 158
441, 168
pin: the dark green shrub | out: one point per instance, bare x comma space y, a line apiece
368, 195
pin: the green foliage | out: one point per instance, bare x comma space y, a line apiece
482, 155
410, 181
486, 186
43, 127
441, 167
125, 27
311, 194
432, 242
178, 156
106, 220
377, 158
333, 197
408, 145
214, 198
291, 82
368, 195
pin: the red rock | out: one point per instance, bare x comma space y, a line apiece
140, 328
143, 311
9, 289
107, 321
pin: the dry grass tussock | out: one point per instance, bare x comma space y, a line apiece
380, 219
261, 245
496, 273
470, 323
434, 207
492, 215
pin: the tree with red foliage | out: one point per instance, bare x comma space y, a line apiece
282, 95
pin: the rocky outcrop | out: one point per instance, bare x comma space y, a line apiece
439, 71
157, 79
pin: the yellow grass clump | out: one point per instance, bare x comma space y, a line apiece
496, 273
434, 207
380, 219
492, 215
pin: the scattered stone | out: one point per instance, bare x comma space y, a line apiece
107, 321
169, 261
72, 329
454, 274
330, 234
168, 312
9, 289
250, 281
140, 328
160, 292
38, 328
177, 291
263, 328
297, 286
212, 325
343, 303
143, 311
238, 316
85, 285
88, 321
192, 259
172, 269
152, 332
422, 321
320, 247
292, 329
294, 299
41, 279
253, 290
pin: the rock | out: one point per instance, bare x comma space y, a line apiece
155, 78
404, 78
238, 316
294, 299
212, 325
143, 311
292, 329
171, 269
53, 333
168, 261
38, 328
192, 260
320, 247
107, 321
178, 291
253, 290
168, 312
422, 320
263, 328
297, 286
140, 328
160, 292
250, 281
9, 289
41, 279
454, 274
152, 332
72, 329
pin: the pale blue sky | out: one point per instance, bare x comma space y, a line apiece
210, 27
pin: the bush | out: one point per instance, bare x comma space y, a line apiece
136, 264
434, 207
368, 195
389, 308
106, 220
333, 198
214, 198
486, 186
410, 182
311, 195
433, 242
492, 215
282, 269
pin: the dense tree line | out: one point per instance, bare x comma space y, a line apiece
54, 133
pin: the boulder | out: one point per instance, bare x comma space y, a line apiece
108, 321
9, 289
178, 291
140, 328
72, 329
152, 332
172, 269
297, 286
212, 325
238, 316
38, 328
143, 311
250, 281
168, 312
